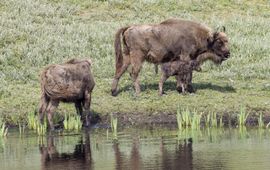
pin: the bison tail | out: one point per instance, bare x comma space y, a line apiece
118, 48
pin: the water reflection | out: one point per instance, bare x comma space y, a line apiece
122, 161
80, 158
136, 150
178, 158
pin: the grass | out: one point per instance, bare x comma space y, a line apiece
37, 33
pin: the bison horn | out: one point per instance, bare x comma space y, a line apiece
221, 29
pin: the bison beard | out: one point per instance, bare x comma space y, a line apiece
68, 82
172, 39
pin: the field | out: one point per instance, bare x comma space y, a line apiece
35, 34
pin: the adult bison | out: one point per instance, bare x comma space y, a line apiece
170, 40
68, 82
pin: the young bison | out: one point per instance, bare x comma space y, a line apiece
182, 70
177, 68
68, 82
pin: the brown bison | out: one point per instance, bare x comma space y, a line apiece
182, 70
170, 40
68, 82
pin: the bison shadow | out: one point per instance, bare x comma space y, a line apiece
171, 86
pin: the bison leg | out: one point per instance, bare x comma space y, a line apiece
86, 105
78, 106
156, 68
189, 87
42, 107
163, 78
119, 72
179, 83
50, 110
136, 62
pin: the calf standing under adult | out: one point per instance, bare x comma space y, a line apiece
170, 40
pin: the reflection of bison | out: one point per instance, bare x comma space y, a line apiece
183, 70
80, 158
68, 82
170, 40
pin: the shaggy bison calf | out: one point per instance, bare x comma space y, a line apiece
177, 68
182, 70
68, 82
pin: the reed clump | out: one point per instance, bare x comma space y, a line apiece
72, 122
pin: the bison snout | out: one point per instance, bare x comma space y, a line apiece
226, 55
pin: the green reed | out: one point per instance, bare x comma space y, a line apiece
72, 122
211, 120
187, 119
21, 128
242, 117
268, 124
221, 124
41, 129
196, 120
260, 121
3, 129
179, 119
31, 120
114, 123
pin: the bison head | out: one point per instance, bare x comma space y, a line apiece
219, 45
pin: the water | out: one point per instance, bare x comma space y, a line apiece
138, 149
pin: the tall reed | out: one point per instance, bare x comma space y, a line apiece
260, 121
114, 123
242, 116
72, 122
3, 129
187, 119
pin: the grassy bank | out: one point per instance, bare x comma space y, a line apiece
34, 34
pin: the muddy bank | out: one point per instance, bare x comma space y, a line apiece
141, 119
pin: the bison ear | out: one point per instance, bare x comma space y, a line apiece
223, 29
220, 29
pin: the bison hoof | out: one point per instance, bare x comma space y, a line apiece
162, 93
114, 92
190, 89
179, 89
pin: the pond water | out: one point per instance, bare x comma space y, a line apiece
156, 148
